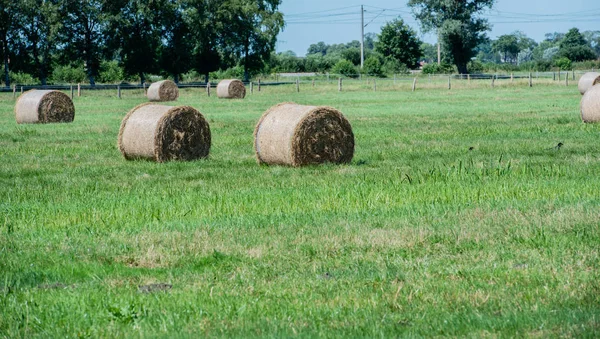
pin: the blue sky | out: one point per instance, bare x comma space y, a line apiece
338, 21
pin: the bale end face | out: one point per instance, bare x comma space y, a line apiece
587, 81
44, 106
164, 133
296, 135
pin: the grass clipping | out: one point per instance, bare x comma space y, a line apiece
165, 90
231, 89
296, 135
587, 81
164, 133
44, 106
590, 105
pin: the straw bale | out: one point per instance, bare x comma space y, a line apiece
231, 89
165, 90
296, 135
44, 106
587, 81
164, 133
590, 105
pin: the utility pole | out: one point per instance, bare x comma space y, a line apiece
362, 36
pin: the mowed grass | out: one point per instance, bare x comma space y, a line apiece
418, 236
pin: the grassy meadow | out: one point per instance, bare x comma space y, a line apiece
457, 217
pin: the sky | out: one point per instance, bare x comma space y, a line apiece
338, 21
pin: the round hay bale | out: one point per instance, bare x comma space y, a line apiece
590, 105
44, 106
231, 89
587, 81
296, 135
165, 90
164, 133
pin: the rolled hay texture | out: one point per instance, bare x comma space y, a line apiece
296, 135
587, 81
44, 106
164, 133
231, 89
590, 105
165, 90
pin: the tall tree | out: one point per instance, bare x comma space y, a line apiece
399, 42
39, 24
7, 14
84, 23
574, 47
508, 46
457, 24
134, 31
254, 26
209, 19
177, 43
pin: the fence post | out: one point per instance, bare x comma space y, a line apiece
21, 89
493, 80
72, 92
449, 84
144, 87
573, 75
297, 85
78, 90
530, 80
251, 87
414, 85
119, 91
567, 79
327, 77
259, 84
313, 83
14, 91
374, 84
512, 77
469, 79
559, 74
339, 85
208, 88
553, 76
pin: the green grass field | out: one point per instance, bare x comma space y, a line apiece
418, 236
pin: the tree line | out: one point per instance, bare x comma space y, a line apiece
137, 37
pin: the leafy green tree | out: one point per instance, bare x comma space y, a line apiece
7, 30
352, 54
457, 23
39, 24
508, 46
318, 48
563, 63
373, 66
175, 53
207, 19
82, 34
429, 52
575, 48
252, 31
593, 38
398, 41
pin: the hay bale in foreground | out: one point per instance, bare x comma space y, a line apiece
165, 90
587, 81
163, 133
296, 135
231, 89
590, 105
44, 106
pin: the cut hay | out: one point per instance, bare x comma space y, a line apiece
164, 133
165, 90
590, 105
231, 89
43, 106
587, 81
296, 135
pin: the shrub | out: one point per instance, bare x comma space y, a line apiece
434, 68
110, 72
373, 66
475, 67
394, 66
22, 79
563, 63
345, 68
68, 74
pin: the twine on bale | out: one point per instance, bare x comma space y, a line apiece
165, 90
231, 89
587, 81
296, 135
164, 133
590, 105
44, 106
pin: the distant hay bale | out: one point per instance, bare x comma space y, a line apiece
44, 106
590, 105
296, 135
587, 81
231, 89
165, 90
164, 133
